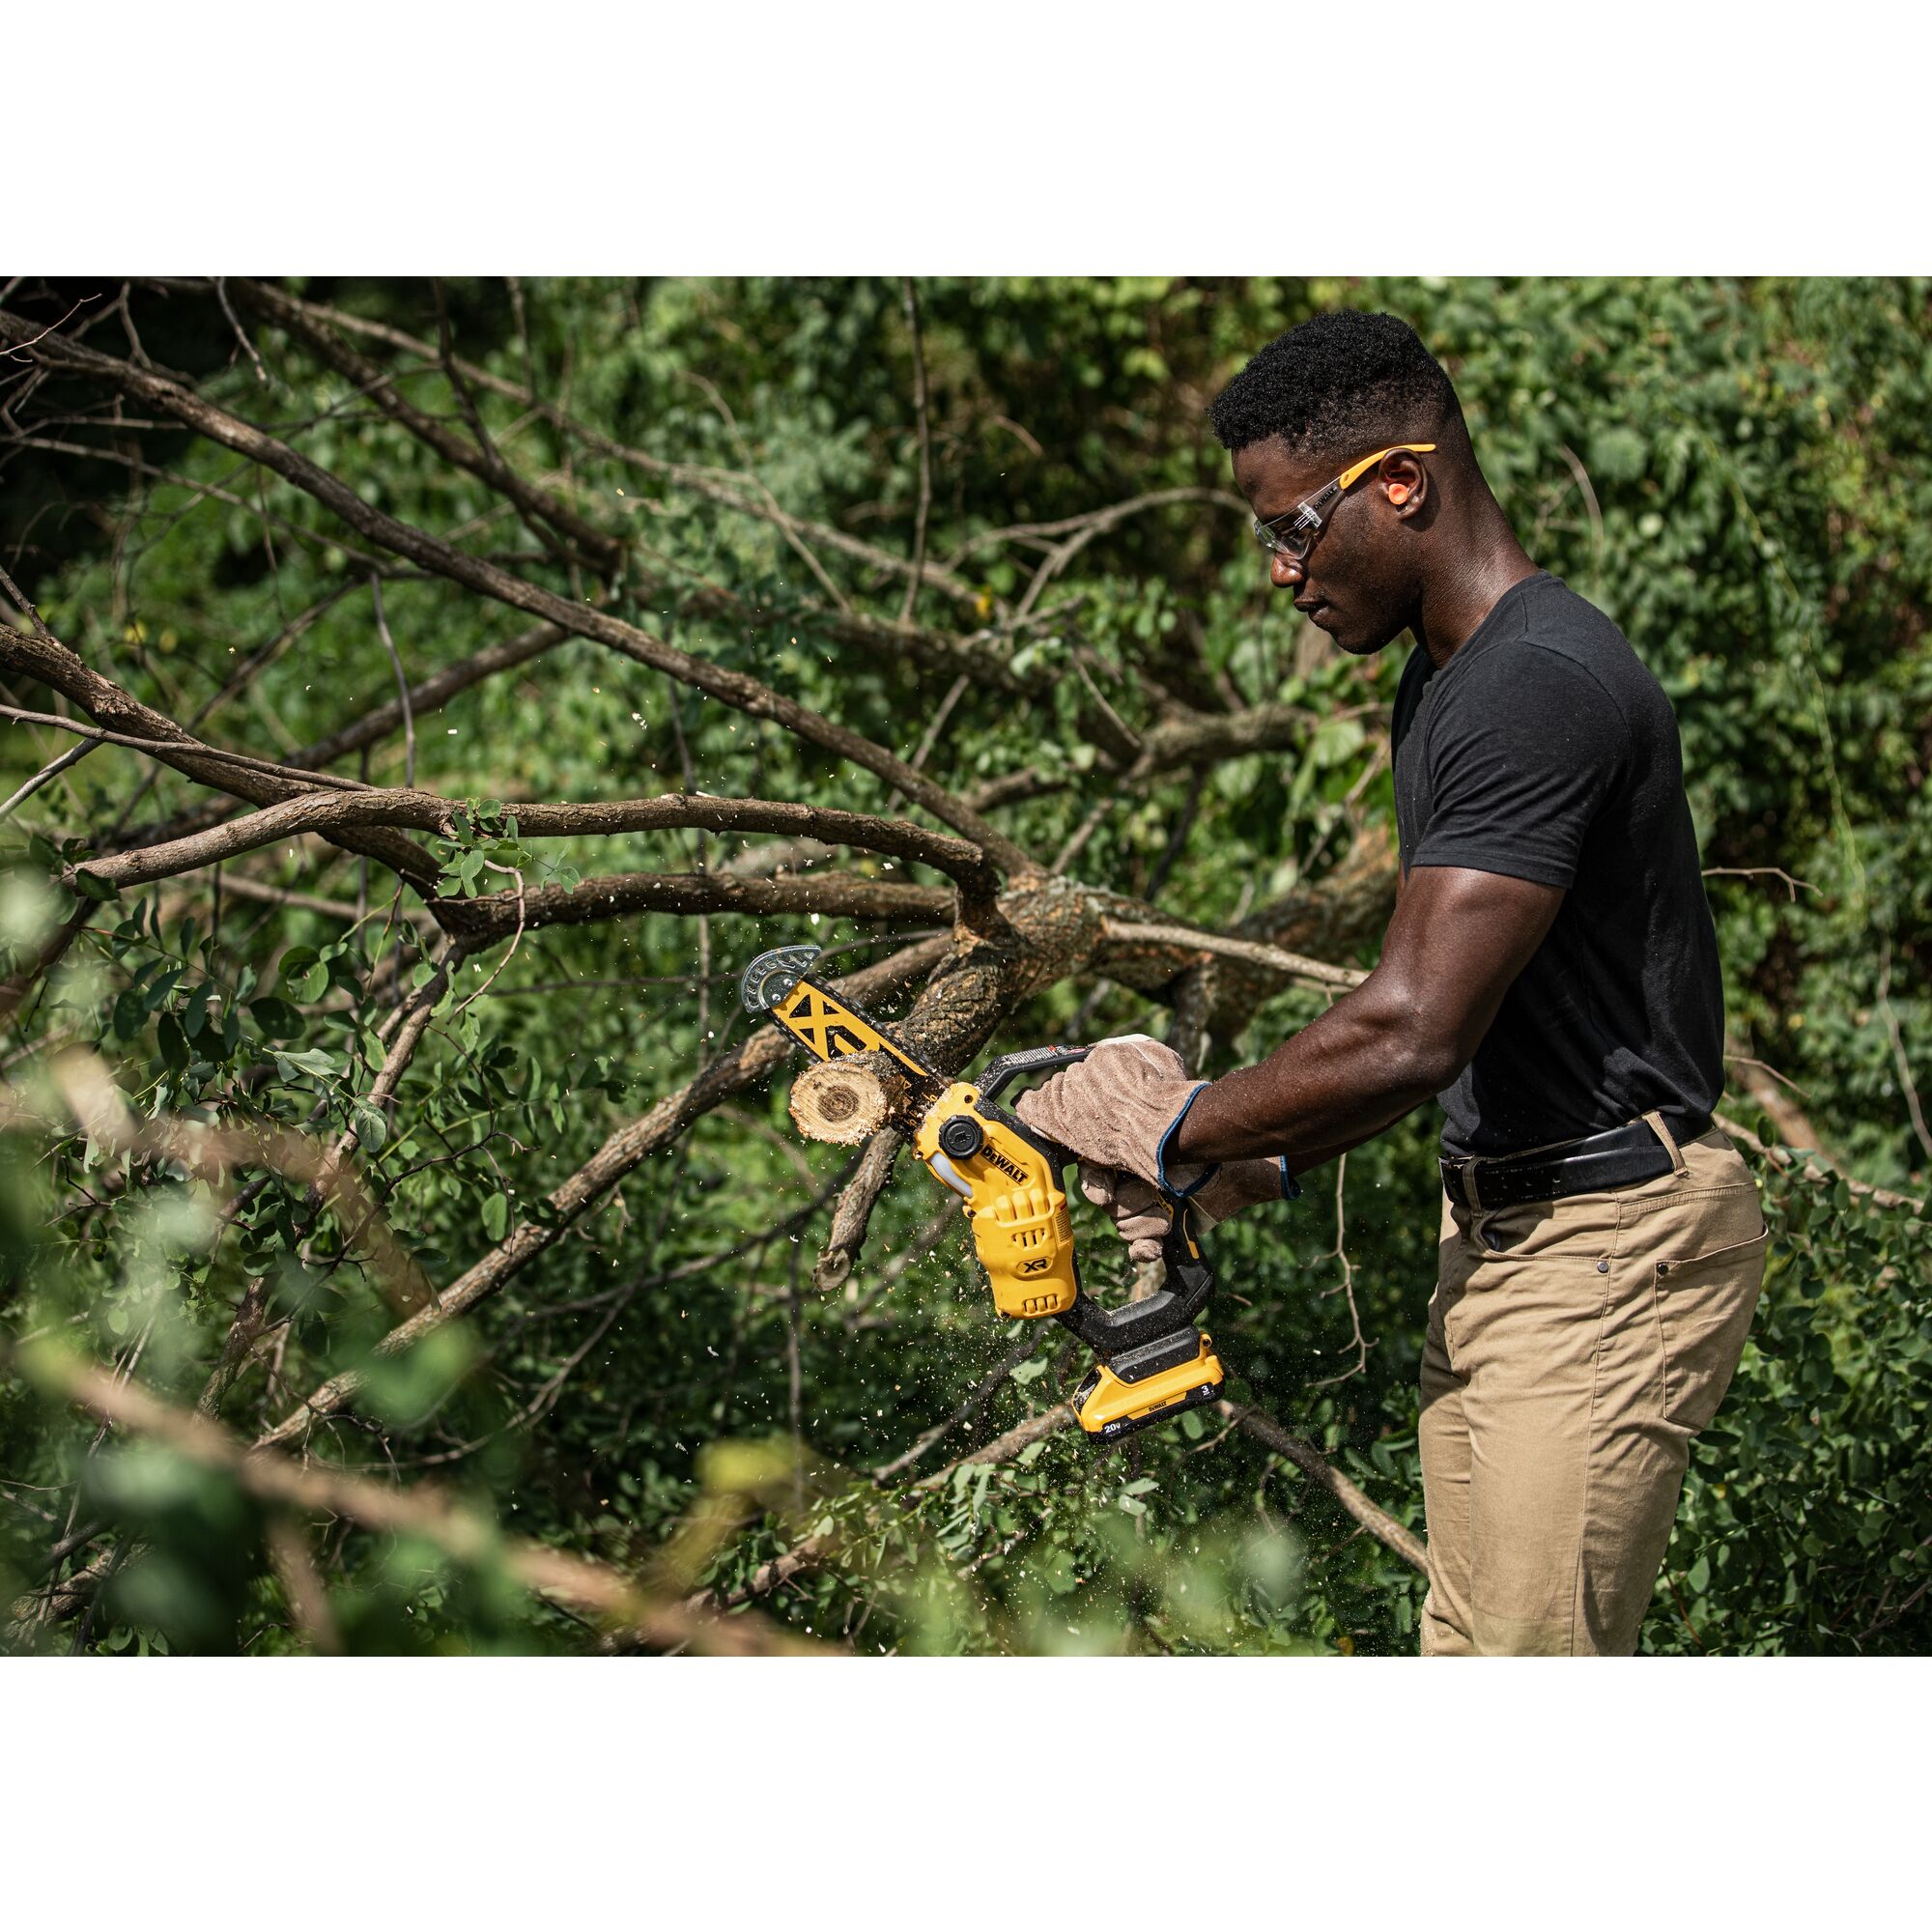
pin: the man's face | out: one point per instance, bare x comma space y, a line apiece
1357, 581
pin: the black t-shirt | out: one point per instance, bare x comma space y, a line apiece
1545, 751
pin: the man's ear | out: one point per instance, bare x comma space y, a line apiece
1403, 482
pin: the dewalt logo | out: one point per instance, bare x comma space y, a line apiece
993, 1157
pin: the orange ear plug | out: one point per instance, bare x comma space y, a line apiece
1397, 493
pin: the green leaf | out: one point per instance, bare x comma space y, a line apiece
173, 1042
496, 1215
275, 1019
311, 1060
309, 984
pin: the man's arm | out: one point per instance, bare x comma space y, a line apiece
1458, 939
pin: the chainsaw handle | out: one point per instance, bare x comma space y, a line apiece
1181, 1246
998, 1074
1191, 1276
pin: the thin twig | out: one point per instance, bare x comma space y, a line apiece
221, 292
1346, 1285
1792, 886
401, 684
925, 456
1898, 1051
51, 771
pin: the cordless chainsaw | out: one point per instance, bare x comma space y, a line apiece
1152, 1362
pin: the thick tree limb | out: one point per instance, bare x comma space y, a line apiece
50, 661
617, 894
428, 812
426, 697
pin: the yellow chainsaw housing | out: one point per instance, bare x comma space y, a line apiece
1018, 1208
1009, 1188
1011, 1195
1108, 1407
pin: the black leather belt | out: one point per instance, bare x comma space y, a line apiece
1592, 1165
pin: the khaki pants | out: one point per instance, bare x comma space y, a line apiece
1574, 1349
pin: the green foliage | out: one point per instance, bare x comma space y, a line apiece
1736, 472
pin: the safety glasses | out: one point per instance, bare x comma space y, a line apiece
1306, 520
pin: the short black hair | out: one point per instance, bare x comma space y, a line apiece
1345, 382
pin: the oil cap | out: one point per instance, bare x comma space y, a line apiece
961, 1136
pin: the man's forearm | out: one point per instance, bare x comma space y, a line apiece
1340, 1081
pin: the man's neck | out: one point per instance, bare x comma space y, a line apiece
1454, 607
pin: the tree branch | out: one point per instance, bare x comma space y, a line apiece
733, 688
331, 811
630, 1145
1323, 1474
459, 1532
725, 488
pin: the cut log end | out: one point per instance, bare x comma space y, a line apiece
847, 1100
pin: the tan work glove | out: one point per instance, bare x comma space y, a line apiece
1141, 1217
1117, 1109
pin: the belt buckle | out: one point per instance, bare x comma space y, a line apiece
1466, 1172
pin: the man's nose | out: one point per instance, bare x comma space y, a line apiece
1284, 572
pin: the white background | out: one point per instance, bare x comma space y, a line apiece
1205, 138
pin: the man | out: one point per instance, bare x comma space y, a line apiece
1550, 974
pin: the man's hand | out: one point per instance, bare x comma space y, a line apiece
1115, 1109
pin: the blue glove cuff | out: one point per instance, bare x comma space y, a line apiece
1208, 1172
1291, 1189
